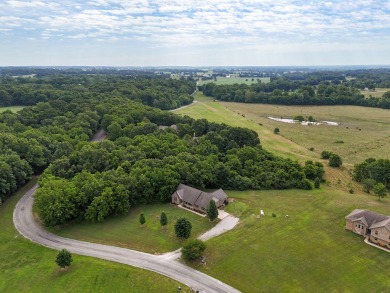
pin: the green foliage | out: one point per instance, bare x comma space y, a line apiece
335, 160
64, 258
193, 249
183, 228
368, 184
325, 155
376, 170
313, 170
300, 118
142, 219
273, 215
380, 190
317, 182
212, 211
276, 130
163, 219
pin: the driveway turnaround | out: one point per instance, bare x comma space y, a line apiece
162, 264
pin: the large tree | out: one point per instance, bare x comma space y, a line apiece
380, 190
212, 211
183, 228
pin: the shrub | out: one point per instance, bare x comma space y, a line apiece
317, 183
163, 219
64, 258
335, 160
142, 219
212, 211
325, 155
276, 130
351, 191
311, 149
183, 228
274, 215
193, 249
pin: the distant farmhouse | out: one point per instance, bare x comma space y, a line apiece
369, 224
197, 200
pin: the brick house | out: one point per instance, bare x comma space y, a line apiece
196, 199
369, 224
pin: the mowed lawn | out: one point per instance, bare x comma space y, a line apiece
28, 267
310, 251
126, 231
13, 109
363, 133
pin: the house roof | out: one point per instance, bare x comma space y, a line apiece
370, 219
220, 194
198, 197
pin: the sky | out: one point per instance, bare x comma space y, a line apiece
194, 33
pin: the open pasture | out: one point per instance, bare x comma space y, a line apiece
310, 251
377, 93
363, 132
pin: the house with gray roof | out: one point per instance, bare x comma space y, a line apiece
374, 226
196, 199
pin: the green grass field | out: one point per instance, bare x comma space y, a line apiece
28, 267
13, 109
365, 132
234, 79
126, 231
308, 252
378, 93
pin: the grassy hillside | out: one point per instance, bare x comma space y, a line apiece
310, 251
126, 231
28, 267
363, 132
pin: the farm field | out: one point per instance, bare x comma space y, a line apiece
363, 132
28, 267
378, 93
126, 231
12, 109
233, 80
310, 251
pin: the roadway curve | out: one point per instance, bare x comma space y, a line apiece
165, 264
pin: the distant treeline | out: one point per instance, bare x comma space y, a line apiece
294, 92
160, 92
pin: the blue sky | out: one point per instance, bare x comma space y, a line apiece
194, 33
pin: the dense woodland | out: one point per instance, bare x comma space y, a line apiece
139, 162
376, 171
160, 92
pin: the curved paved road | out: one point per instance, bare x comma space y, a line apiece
165, 264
